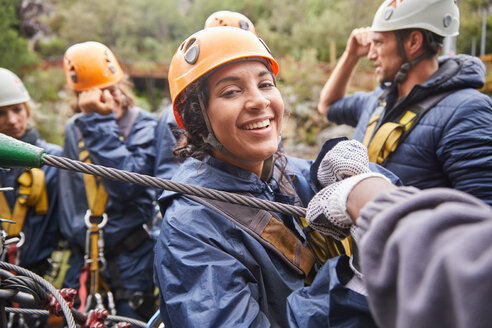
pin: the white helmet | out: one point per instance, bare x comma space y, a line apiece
12, 91
441, 17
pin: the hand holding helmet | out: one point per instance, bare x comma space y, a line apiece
359, 42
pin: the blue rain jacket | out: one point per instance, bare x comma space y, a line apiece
209, 271
165, 141
41, 231
451, 146
129, 206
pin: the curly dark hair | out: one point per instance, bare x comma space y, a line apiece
190, 143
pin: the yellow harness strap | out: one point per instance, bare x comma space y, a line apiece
31, 193
387, 137
325, 247
97, 196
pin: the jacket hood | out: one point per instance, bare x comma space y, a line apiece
457, 72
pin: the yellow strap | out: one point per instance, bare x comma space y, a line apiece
97, 196
373, 121
324, 246
387, 138
31, 193
4, 208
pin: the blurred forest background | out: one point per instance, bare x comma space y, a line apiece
305, 36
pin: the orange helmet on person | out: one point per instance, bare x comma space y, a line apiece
208, 49
90, 65
230, 18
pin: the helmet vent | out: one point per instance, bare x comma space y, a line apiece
387, 13
190, 43
244, 25
191, 56
447, 20
191, 51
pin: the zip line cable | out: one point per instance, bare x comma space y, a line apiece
155, 182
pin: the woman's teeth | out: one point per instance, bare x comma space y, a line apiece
258, 125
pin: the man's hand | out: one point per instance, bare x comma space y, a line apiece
328, 211
346, 159
96, 101
359, 42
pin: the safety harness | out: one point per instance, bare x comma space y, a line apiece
97, 258
94, 261
267, 228
385, 132
31, 193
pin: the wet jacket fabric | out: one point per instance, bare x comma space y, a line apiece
448, 284
165, 141
41, 231
212, 273
129, 206
451, 146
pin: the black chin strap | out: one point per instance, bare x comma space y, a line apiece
401, 75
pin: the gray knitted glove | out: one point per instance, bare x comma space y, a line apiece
346, 159
327, 211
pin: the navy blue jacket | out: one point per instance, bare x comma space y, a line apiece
165, 141
129, 206
451, 146
41, 231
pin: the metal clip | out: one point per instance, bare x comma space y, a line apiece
88, 223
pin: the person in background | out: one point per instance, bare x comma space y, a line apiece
425, 122
225, 265
33, 202
108, 130
167, 130
425, 255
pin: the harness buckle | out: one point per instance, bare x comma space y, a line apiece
88, 216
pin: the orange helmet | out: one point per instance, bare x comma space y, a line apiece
230, 18
90, 65
208, 49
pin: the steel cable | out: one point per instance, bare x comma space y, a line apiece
159, 183
47, 286
112, 318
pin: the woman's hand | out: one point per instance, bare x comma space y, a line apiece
96, 101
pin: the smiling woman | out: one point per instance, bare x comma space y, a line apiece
217, 264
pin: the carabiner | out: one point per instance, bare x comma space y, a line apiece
88, 223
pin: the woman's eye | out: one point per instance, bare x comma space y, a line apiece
229, 92
267, 84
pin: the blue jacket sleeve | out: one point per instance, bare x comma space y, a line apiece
135, 154
165, 141
465, 149
348, 109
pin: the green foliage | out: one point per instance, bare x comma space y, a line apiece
471, 27
14, 52
51, 111
51, 47
298, 32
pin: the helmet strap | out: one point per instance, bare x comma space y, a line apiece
212, 140
401, 75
